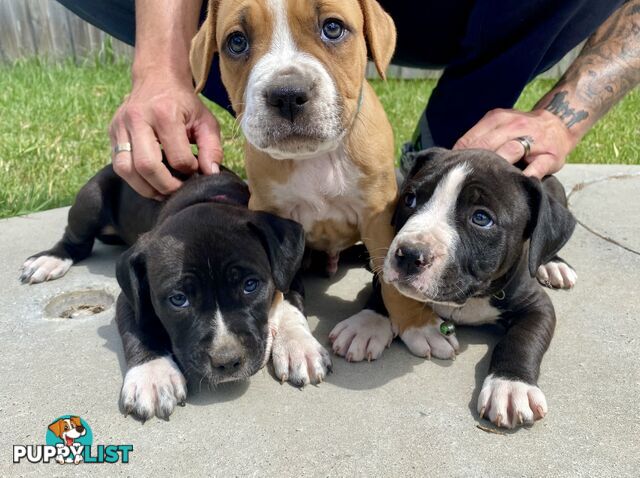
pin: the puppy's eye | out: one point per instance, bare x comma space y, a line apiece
410, 200
237, 43
481, 218
250, 285
333, 29
179, 300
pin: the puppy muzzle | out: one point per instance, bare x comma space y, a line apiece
292, 111
415, 266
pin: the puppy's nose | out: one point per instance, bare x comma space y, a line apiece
226, 362
412, 260
79, 428
289, 101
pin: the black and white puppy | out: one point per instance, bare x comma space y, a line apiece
201, 283
472, 233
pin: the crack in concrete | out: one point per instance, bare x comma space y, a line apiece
585, 184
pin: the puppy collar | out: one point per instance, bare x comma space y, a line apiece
360, 101
500, 295
499, 292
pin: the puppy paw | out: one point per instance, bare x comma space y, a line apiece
427, 341
362, 336
153, 388
557, 275
509, 403
44, 268
296, 354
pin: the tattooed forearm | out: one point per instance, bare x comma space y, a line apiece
559, 106
607, 68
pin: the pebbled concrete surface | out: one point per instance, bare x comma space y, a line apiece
398, 415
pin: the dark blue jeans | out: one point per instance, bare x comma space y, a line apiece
489, 49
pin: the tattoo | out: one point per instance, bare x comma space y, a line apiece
607, 68
559, 106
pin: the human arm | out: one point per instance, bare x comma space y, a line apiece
162, 108
607, 68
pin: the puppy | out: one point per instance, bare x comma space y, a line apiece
471, 233
68, 430
319, 148
201, 285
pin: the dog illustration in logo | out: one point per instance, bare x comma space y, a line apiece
68, 430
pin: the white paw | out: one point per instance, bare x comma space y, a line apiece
43, 268
297, 356
557, 275
509, 403
427, 341
362, 336
153, 388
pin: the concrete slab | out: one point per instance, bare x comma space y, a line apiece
398, 415
620, 193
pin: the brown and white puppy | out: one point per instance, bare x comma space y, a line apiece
68, 430
319, 148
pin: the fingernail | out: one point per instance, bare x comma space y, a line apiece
159, 197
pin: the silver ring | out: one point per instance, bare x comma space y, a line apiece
119, 148
526, 142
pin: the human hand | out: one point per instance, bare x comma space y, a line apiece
497, 131
163, 110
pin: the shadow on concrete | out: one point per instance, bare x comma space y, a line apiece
397, 361
102, 261
198, 395
109, 333
225, 392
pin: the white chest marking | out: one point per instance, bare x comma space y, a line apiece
320, 189
475, 311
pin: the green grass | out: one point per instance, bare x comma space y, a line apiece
54, 118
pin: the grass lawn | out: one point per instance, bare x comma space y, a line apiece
54, 118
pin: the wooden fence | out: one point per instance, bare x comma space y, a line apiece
46, 29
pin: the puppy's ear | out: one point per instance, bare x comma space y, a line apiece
418, 159
203, 47
56, 428
131, 273
380, 32
550, 226
284, 242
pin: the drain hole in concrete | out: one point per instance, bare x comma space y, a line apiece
81, 303
82, 309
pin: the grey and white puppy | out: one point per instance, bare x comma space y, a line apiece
474, 237
202, 283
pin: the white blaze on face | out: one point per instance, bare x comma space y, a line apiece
432, 226
285, 59
224, 338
